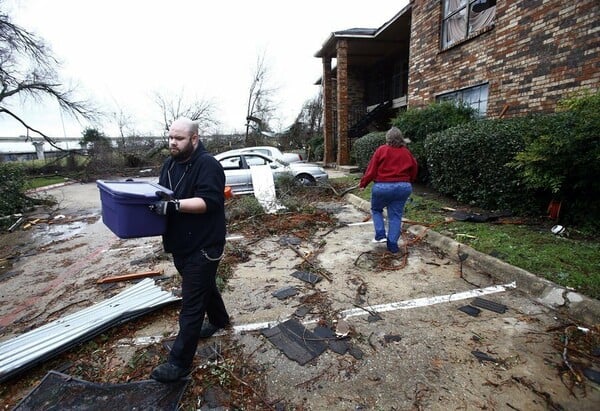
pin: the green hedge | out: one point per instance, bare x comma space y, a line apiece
523, 163
418, 123
470, 163
364, 147
316, 148
563, 159
12, 183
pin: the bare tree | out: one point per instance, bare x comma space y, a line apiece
175, 106
260, 104
312, 114
123, 120
28, 70
307, 126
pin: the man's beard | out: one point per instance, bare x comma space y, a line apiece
182, 154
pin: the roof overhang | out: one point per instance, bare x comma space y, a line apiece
367, 46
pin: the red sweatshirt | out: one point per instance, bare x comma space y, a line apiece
390, 165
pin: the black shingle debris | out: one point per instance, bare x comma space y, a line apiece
468, 309
335, 344
295, 341
489, 305
59, 391
284, 293
307, 277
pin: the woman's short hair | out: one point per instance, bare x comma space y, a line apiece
395, 138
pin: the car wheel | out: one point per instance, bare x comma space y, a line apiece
305, 180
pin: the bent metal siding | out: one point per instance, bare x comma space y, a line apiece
33, 347
537, 53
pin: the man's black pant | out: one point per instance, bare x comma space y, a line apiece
200, 297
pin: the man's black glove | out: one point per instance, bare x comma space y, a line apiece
164, 196
165, 207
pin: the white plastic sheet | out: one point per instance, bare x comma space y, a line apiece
264, 188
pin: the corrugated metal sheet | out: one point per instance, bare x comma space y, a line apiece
55, 337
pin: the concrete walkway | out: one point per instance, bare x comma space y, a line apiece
567, 302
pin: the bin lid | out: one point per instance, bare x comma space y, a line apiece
132, 189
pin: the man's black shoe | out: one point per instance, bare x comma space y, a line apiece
208, 329
168, 372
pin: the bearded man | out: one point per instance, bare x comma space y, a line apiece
195, 237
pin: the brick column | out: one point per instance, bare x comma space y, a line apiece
343, 154
328, 117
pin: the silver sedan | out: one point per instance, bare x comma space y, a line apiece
239, 176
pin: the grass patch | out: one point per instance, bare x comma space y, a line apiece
37, 182
569, 262
565, 261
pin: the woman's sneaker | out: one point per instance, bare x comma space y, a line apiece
381, 240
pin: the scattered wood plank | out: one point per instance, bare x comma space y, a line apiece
126, 277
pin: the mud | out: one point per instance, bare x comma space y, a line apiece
416, 356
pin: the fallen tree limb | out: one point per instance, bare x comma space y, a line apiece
320, 271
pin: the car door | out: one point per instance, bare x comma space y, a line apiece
237, 174
256, 159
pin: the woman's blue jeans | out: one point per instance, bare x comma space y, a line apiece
391, 196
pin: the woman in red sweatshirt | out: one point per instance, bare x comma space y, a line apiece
392, 169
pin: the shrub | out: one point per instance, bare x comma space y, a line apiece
315, 149
563, 158
364, 147
418, 123
470, 163
243, 206
12, 183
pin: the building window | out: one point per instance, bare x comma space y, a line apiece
400, 79
475, 97
387, 80
465, 17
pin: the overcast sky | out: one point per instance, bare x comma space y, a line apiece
121, 52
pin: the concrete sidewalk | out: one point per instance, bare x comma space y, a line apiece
576, 306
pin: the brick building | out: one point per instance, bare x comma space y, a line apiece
504, 58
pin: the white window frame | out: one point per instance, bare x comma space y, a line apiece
475, 97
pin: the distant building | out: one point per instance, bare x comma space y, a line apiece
504, 58
22, 148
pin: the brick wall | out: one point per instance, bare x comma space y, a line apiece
343, 152
357, 100
538, 52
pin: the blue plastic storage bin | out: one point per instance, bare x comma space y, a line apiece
126, 208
